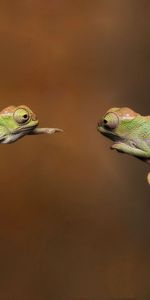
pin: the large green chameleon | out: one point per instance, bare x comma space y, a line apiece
129, 130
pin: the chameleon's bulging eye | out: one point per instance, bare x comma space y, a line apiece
110, 121
25, 116
21, 116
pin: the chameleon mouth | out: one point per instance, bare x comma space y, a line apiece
25, 129
109, 134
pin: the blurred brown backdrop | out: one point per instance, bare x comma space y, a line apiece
74, 216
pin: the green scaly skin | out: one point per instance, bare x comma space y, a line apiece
129, 130
18, 121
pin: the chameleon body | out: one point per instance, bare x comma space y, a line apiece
129, 130
18, 121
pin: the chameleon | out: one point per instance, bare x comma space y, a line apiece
19, 121
130, 132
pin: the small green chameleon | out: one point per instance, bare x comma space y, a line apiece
130, 132
18, 121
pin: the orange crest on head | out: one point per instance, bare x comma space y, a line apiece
8, 110
124, 113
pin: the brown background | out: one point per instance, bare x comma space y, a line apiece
74, 216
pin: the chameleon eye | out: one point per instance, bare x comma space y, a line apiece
110, 121
21, 116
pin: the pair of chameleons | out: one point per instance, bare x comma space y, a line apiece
129, 130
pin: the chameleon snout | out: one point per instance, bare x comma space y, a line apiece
99, 123
34, 117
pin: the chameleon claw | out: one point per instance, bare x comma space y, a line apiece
114, 147
53, 130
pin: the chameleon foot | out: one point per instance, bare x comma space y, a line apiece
52, 130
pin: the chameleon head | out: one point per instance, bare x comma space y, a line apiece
113, 123
16, 122
24, 119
